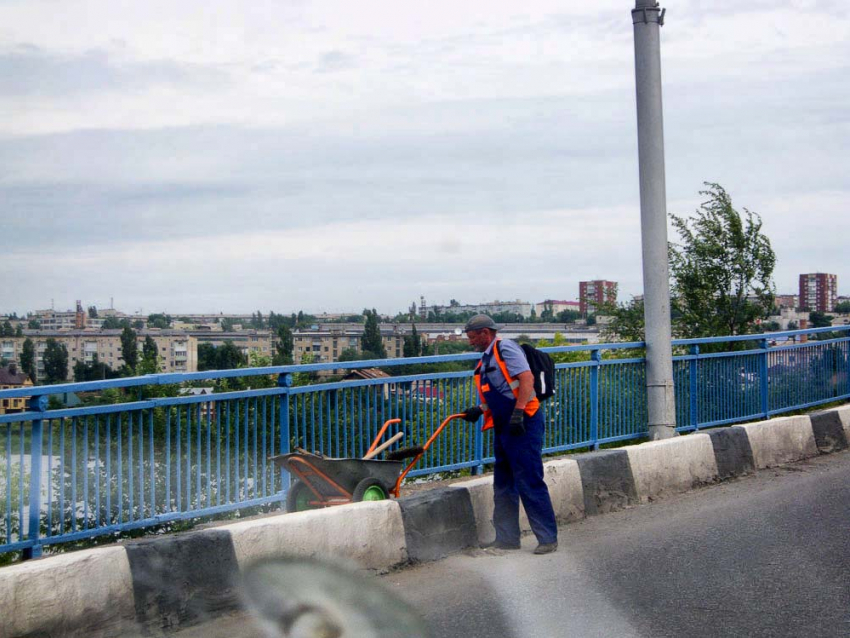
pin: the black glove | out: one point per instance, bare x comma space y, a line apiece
472, 414
517, 426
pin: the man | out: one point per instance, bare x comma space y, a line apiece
509, 406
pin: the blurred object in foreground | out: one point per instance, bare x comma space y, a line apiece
302, 598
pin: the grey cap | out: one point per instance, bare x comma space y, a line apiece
480, 321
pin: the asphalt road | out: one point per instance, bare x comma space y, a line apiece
766, 555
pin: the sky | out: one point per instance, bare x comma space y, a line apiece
334, 155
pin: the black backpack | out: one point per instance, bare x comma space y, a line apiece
543, 368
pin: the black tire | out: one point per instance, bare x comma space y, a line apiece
370, 489
299, 497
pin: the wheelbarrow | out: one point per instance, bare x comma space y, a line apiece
324, 481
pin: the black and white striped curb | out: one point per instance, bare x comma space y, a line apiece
152, 585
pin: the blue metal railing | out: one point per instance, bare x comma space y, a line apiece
158, 456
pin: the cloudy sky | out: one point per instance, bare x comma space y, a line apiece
330, 155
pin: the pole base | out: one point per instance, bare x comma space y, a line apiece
659, 432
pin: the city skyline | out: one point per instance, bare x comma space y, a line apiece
327, 156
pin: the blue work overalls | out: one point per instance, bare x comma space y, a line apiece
518, 473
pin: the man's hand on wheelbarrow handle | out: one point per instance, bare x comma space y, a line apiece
472, 414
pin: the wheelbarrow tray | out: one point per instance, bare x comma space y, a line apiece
347, 473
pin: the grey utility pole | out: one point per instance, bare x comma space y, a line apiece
647, 19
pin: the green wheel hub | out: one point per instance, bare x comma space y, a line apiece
374, 493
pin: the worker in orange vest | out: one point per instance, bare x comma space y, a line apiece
509, 406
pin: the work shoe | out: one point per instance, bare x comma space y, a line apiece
546, 548
499, 545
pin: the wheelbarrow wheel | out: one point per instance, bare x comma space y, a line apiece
369, 489
299, 498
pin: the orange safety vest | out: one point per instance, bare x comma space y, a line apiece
530, 408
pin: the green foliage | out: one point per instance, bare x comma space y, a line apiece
6, 330
28, 359
412, 343
227, 324
114, 323
284, 346
372, 341
305, 378
150, 358
129, 350
568, 316
563, 357
225, 357
627, 321
159, 320
256, 360
55, 362
722, 262
19, 331
138, 324
351, 354
92, 312
591, 319
820, 320
843, 307
34, 324
94, 371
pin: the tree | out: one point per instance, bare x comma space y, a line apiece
19, 331
129, 350
206, 357
722, 271
372, 342
568, 316
150, 357
34, 324
92, 312
627, 323
284, 345
159, 320
412, 344
843, 307
7, 330
350, 354
114, 323
55, 362
28, 359
820, 320
229, 357
94, 371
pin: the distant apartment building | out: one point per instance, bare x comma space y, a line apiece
178, 351
259, 342
818, 291
593, 293
517, 307
786, 301
556, 306
327, 343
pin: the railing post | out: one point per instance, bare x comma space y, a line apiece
763, 380
36, 404
596, 357
694, 389
479, 446
284, 381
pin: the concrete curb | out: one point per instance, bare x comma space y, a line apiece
158, 583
